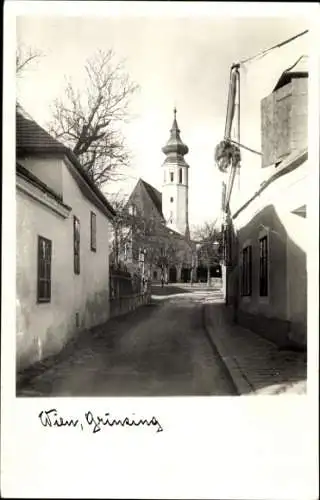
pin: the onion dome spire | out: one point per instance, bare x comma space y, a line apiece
175, 144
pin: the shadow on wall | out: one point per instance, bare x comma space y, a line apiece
281, 315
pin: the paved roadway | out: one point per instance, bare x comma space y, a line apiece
158, 350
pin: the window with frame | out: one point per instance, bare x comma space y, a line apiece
93, 232
44, 269
263, 275
180, 175
246, 288
171, 177
76, 245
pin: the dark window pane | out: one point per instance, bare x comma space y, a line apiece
41, 268
41, 289
46, 289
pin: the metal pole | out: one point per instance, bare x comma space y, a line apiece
238, 124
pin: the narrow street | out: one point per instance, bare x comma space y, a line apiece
158, 350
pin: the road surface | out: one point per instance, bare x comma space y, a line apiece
158, 350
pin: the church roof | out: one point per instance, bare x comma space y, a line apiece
155, 196
175, 144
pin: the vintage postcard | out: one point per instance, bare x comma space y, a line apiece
161, 165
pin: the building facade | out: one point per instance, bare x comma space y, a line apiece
62, 263
266, 237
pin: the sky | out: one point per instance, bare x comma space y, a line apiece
180, 61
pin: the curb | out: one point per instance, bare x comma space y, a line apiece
239, 379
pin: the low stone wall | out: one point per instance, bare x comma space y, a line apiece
122, 305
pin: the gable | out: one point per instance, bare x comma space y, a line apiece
155, 196
147, 200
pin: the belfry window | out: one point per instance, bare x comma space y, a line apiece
180, 175
171, 176
171, 200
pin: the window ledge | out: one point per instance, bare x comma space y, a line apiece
246, 298
264, 300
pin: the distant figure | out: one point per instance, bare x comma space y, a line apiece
162, 281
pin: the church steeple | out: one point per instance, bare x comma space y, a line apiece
176, 182
175, 144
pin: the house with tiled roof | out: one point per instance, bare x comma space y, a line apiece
62, 226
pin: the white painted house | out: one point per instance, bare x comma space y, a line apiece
63, 225
267, 239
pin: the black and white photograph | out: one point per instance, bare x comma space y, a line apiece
162, 184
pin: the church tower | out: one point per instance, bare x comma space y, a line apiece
175, 182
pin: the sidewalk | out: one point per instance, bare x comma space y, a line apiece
256, 365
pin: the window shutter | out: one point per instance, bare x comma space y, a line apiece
76, 245
93, 231
44, 269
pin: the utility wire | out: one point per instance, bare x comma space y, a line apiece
278, 45
257, 56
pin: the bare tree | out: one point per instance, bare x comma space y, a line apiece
208, 238
89, 121
24, 57
134, 234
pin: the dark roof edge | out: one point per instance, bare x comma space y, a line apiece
24, 172
150, 185
74, 160
63, 150
295, 163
